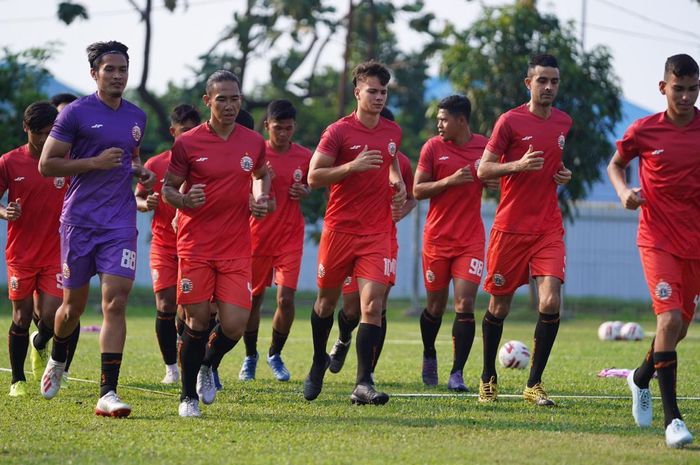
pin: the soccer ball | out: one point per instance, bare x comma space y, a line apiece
631, 332
514, 354
609, 331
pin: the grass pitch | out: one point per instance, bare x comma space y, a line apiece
265, 421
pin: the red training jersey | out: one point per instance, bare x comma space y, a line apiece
162, 224
33, 239
454, 216
529, 202
219, 229
669, 171
282, 231
357, 204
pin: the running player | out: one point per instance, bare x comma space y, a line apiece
356, 158
453, 239
32, 254
163, 244
278, 239
349, 314
668, 147
217, 160
525, 151
102, 133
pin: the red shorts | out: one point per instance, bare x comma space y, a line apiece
674, 282
22, 281
285, 267
512, 258
350, 283
224, 280
444, 262
364, 256
163, 269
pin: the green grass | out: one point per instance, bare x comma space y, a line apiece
269, 422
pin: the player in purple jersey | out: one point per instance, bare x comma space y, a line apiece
102, 133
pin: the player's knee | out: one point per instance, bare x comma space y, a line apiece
550, 304
166, 306
285, 303
671, 322
464, 305
324, 307
373, 308
232, 330
115, 304
22, 320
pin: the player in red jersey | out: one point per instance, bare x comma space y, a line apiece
164, 244
278, 239
668, 147
453, 238
356, 158
32, 253
217, 160
525, 151
349, 314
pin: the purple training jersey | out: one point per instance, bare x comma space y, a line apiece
100, 198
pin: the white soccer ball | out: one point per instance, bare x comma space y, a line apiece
514, 354
609, 331
631, 332
617, 327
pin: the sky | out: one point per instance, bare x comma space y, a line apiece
640, 34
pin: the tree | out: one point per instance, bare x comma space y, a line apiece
488, 63
22, 75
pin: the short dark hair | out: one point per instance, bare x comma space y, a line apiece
370, 69
62, 98
38, 115
681, 65
542, 59
185, 112
245, 119
96, 51
280, 109
456, 105
221, 75
386, 113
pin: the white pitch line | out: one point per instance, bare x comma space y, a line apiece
520, 396
121, 386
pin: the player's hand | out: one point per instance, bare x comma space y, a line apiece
399, 197
532, 160
152, 201
195, 197
562, 176
367, 160
492, 184
298, 191
632, 198
108, 159
145, 177
259, 206
13, 210
461, 176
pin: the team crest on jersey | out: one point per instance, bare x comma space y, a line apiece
136, 132
247, 162
14, 283
66, 271
155, 275
392, 148
499, 280
59, 182
186, 285
321, 270
663, 290
298, 175
561, 141
430, 276
347, 281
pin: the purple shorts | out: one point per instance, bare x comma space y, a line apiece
87, 251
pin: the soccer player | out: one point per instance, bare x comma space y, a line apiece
668, 147
32, 253
278, 239
356, 158
349, 314
525, 151
453, 239
163, 244
102, 133
61, 101
217, 160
